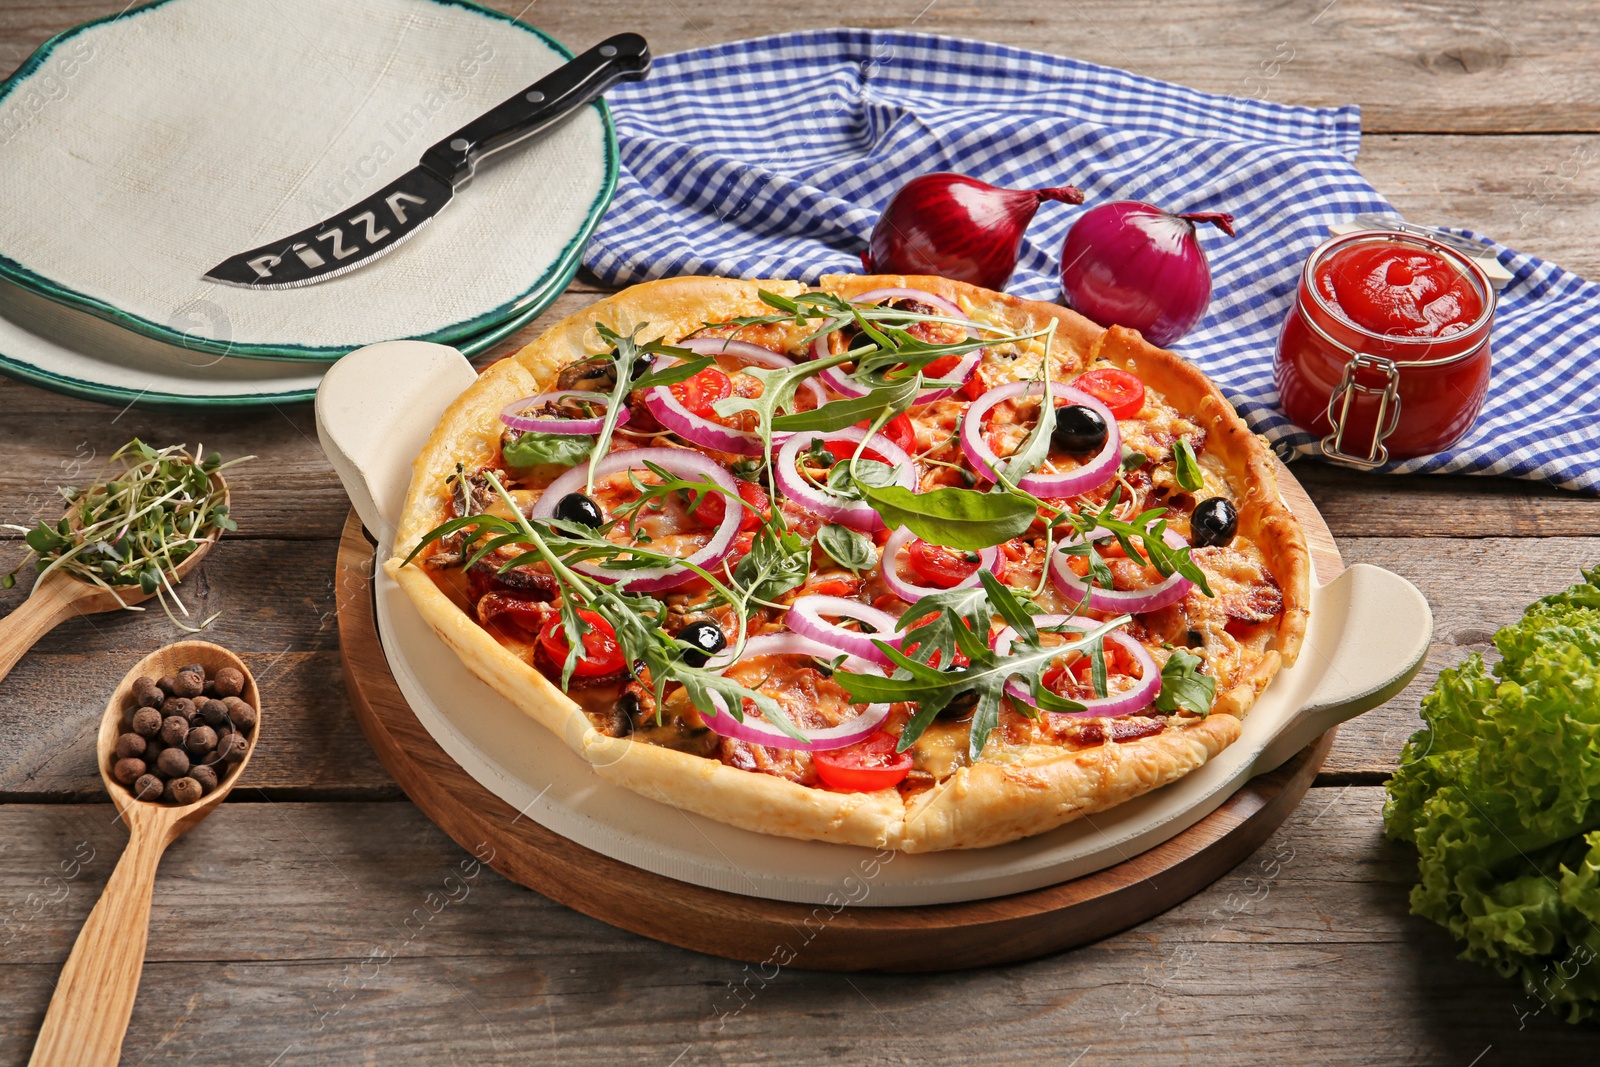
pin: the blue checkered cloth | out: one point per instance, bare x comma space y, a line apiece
773, 157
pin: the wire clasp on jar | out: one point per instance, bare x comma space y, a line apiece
1386, 419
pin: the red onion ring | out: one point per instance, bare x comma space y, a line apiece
806, 619
761, 732
841, 383
856, 514
1122, 601
911, 592
678, 461
1091, 474
698, 430
750, 353
1135, 699
510, 414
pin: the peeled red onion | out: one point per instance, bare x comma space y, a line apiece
761, 732
1091, 474
1132, 264
1127, 601
512, 414
1136, 699
957, 227
856, 514
910, 592
806, 619
841, 383
678, 461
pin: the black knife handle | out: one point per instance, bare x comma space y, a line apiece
624, 57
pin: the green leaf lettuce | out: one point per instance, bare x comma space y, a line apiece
1500, 793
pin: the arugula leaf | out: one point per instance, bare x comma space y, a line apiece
778, 561
678, 372
846, 547
1188, 467
955, 518
1183, 686
535, 449
894, 398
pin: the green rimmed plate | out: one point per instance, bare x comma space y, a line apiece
69, 351
144, 148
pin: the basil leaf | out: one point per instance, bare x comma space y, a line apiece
869, 472
1132, 461
846, 547
1183, 686
537, 449
954, 518
1188, 467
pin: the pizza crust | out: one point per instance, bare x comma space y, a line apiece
986, 804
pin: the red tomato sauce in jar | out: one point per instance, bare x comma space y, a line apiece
1385, 351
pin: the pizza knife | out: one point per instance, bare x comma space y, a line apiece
378, 224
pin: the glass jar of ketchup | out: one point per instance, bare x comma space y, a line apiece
1386, 349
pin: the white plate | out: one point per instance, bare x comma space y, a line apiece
1368, 633
143, 149
69, 351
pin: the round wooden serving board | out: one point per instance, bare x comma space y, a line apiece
816, 937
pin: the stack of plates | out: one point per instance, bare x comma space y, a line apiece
143, 149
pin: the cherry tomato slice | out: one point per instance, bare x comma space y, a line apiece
601, 653
1118, 390
937, 566
704, 389
714, 507
899, 430
864, 767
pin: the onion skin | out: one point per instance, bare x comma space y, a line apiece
956, 227
1132, 264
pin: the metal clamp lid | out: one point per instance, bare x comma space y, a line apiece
1384, 424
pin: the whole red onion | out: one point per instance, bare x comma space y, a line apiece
1131, 264
956, 227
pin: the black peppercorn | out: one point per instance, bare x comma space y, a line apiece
205, 776
173, 762
180, 706
130, 745
201, 739
147, 722
184, 790
229, 682
242, 715
146, 694
215, 712
174, 728
127, 771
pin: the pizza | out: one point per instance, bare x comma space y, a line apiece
883, 561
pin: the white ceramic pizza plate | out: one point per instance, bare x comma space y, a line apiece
1368, 633
142, 149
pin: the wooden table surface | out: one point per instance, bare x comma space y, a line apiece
309, 920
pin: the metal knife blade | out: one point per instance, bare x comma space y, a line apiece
365, 231
383, 221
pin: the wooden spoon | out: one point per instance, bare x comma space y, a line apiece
89, 1012
59, 597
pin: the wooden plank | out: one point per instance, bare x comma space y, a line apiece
358, 935
1459, 65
